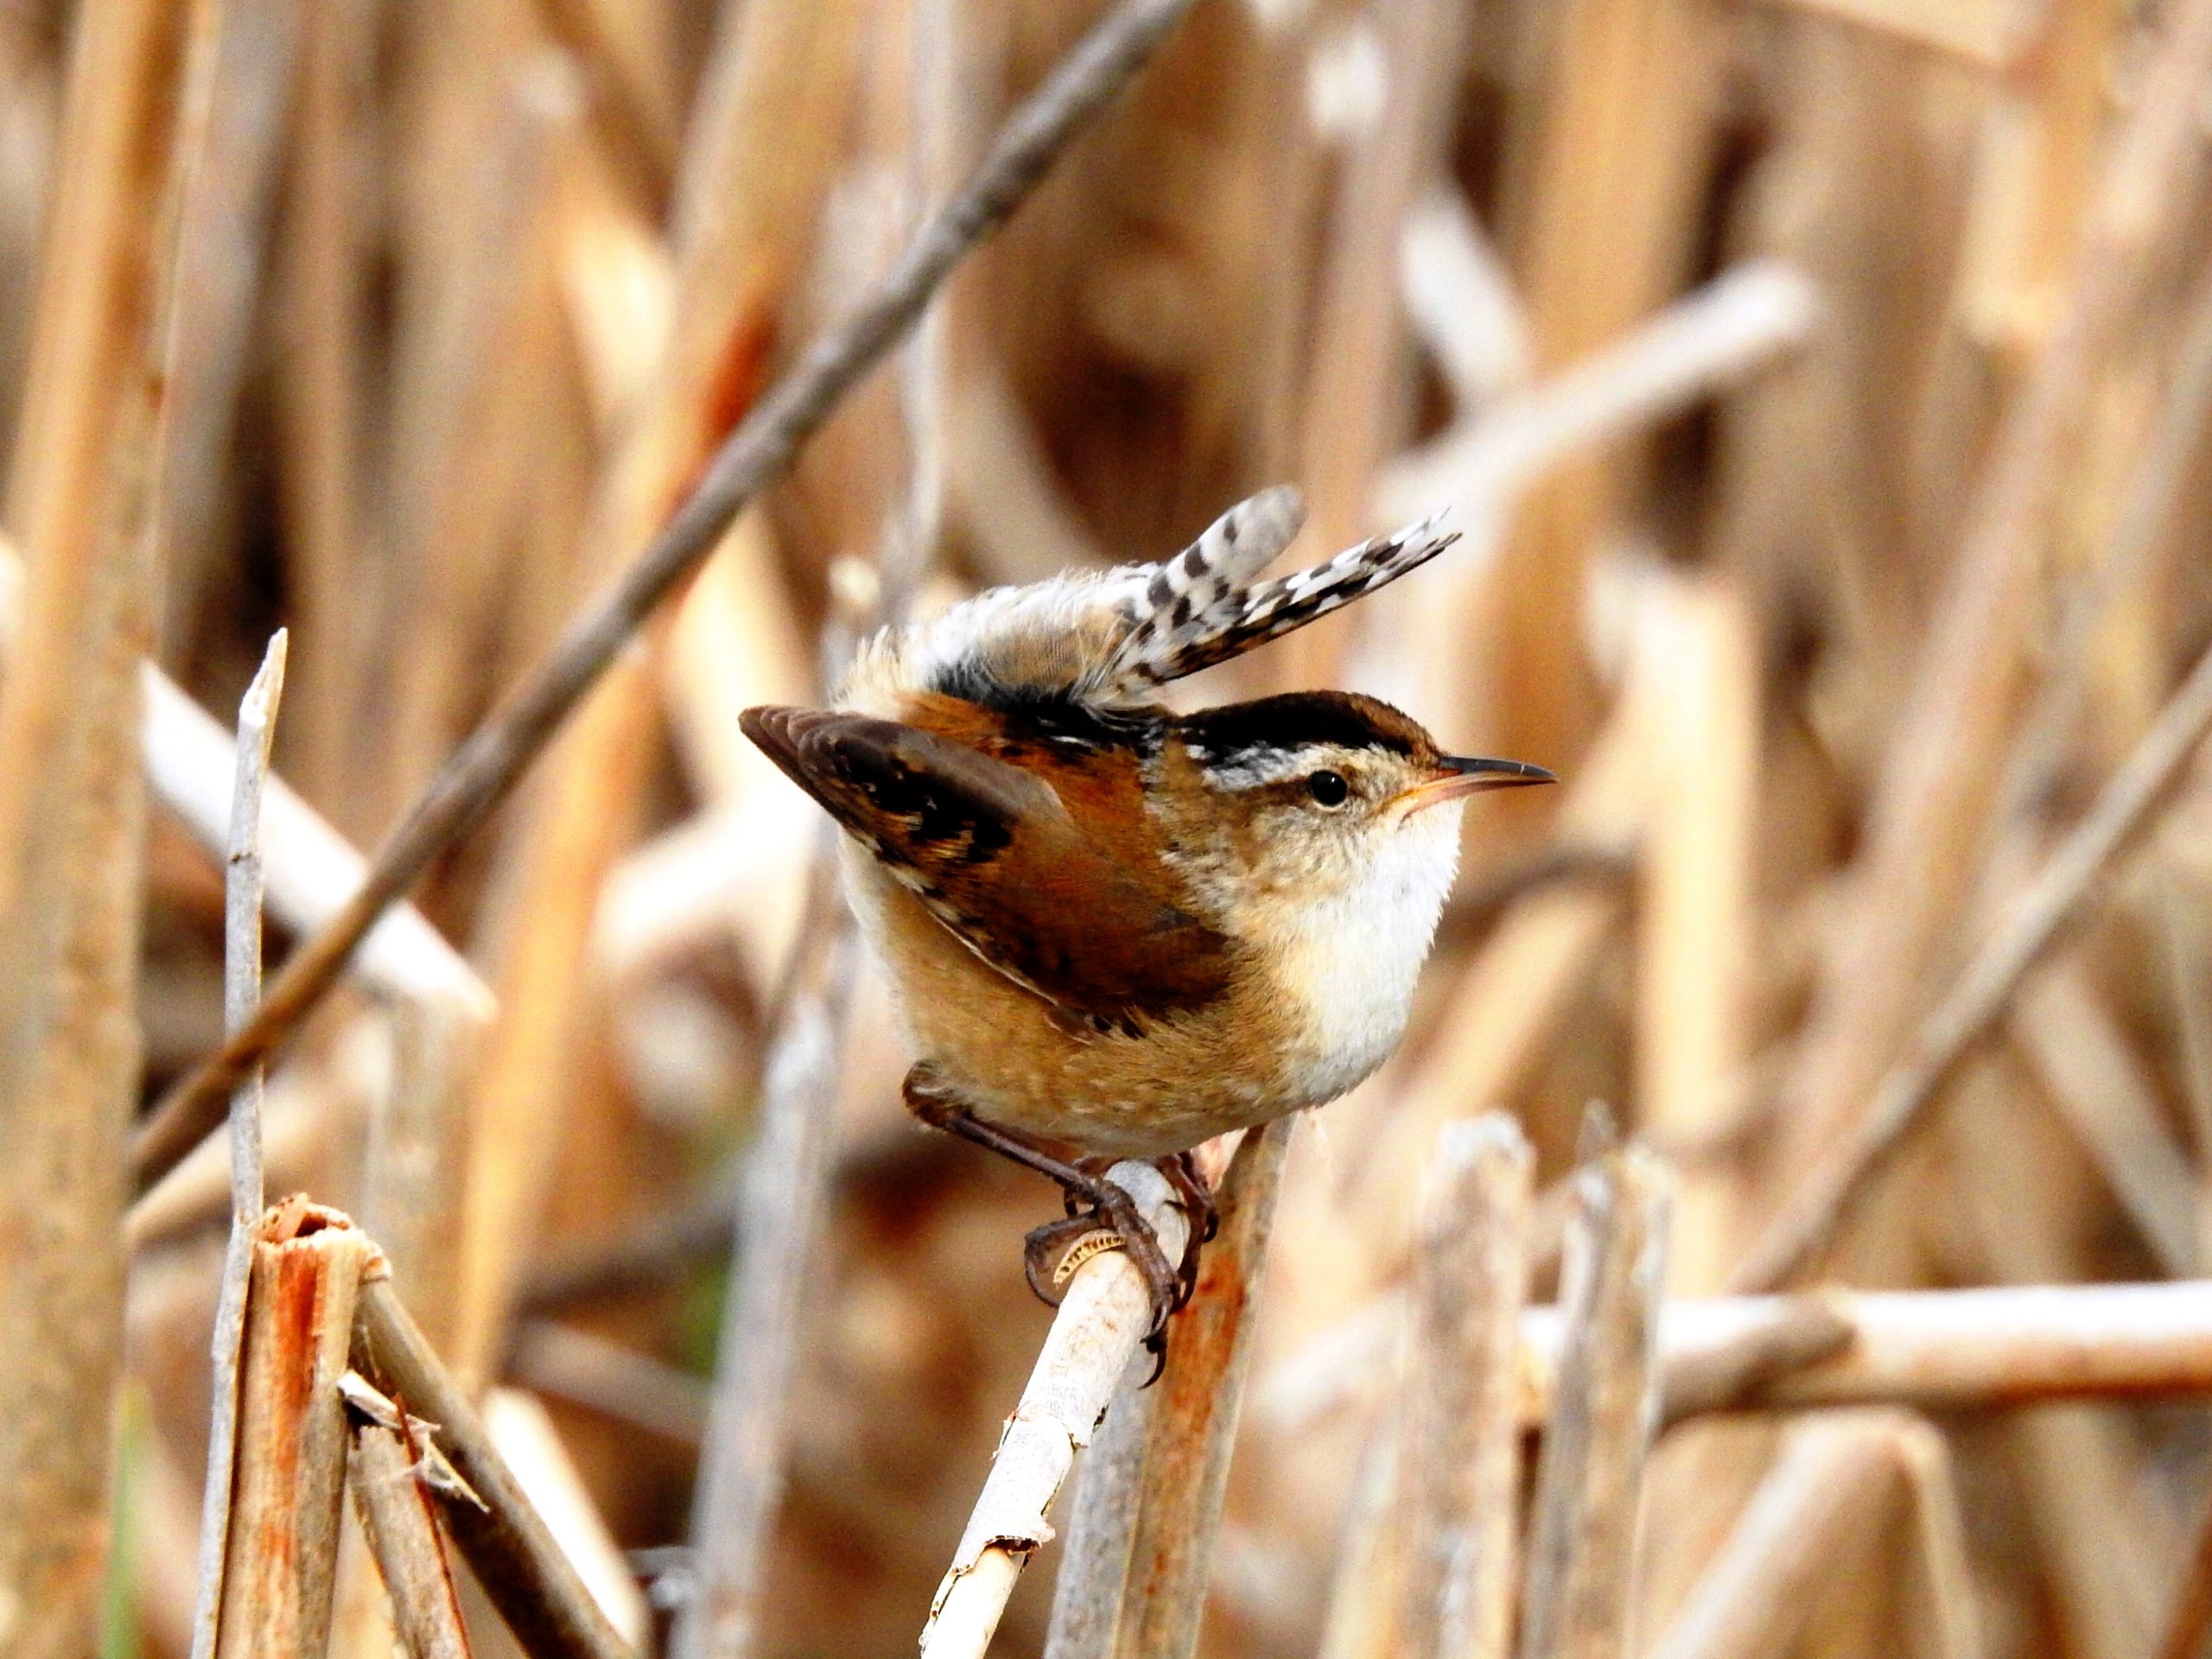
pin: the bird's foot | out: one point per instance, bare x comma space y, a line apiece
1105, 1218
1097, 1209
1192, 1196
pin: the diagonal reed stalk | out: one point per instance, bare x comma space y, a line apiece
486, 767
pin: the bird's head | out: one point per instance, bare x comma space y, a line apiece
1318, 797
1314, 789
1321, 830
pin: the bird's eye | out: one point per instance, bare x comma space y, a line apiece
1328, 788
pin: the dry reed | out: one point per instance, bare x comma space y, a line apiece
1822, 386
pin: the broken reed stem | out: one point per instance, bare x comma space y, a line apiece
1823, 1201
389, 1480
1457, 1497
479, 774
1143, 1597
281, 1563
504, 1541
783, 1193
1091, 1591
241, 991
1098, 1330
1582, 1536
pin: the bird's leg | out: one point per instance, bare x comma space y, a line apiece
1107, 1201
1197, 1198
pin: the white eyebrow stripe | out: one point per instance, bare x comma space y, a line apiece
1256, 768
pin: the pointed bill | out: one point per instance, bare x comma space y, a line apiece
1465, 774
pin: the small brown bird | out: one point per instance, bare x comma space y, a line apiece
1113, 930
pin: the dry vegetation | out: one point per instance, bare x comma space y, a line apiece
1825, 388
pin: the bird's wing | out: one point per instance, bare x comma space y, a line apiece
993, 854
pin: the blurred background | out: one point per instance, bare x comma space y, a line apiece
1823, 386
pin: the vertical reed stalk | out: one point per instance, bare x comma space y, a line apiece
1459, 1499
1582, 1538
241, 991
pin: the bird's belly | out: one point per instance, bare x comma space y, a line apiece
1003, 1054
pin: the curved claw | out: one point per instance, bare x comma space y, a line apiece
1156, 1346
1039, 1248
1113, 1212
1143, 1246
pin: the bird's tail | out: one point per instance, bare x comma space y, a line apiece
1203, 607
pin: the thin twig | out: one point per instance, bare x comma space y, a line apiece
391, 1496
1458, 1497
506, 1541
241, 991
779, 1230
1086, 1355
1824, 1199
480, 773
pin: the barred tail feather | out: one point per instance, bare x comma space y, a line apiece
1252, 617
1111, 637
1202, 588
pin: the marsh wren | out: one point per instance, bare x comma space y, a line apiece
1114, 931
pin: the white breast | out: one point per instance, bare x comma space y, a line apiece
1352, 957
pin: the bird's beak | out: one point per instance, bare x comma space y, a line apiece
1463, 775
